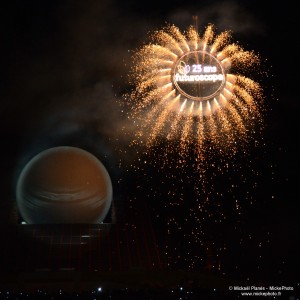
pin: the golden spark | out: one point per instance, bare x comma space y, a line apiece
191, 92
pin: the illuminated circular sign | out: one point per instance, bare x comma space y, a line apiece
198, 75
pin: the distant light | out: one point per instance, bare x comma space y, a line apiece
99, 289
181, 288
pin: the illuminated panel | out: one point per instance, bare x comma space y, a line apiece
198, 75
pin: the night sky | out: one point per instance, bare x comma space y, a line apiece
63, 73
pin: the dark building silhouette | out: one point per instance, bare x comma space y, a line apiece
55, 254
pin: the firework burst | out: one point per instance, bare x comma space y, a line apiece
191, 91
195, 113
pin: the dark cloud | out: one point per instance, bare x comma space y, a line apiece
225, 15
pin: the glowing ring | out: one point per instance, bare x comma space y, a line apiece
195, 85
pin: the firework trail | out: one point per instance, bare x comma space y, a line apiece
195, 110
191, 92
